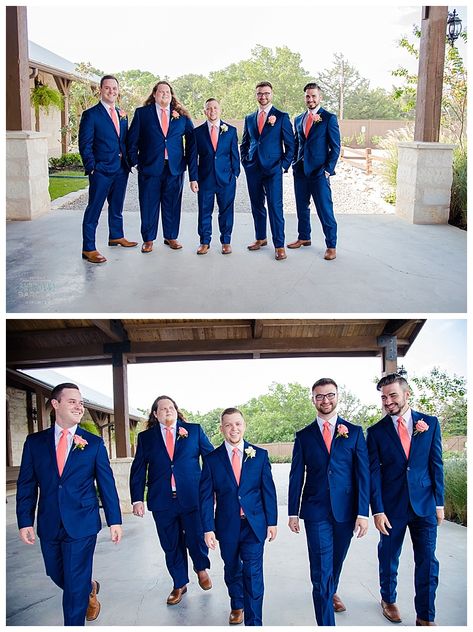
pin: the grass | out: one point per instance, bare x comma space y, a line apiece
456, 489
62, 186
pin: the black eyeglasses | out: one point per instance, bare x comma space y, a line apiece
328, 396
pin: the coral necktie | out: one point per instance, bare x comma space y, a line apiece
61, 451
261, 119
308, 123
327, 435
236, 467
164, 127
214, 137
170, 449
113, 114
404, 435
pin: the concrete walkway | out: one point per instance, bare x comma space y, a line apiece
384, 264
135, 582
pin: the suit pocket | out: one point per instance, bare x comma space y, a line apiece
426, 483
89, 502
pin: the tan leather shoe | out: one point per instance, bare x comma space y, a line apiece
204, 580
147, 247
299, 242
93, 256
93, 609
236, 617
424, 622
122, 242
203, 249
173, 243
280, 254
176, 596
391, 612
330, 253
338, 605
259, 243
226, 249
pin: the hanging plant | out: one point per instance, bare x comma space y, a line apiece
43, 97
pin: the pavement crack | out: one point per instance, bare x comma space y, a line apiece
31, 605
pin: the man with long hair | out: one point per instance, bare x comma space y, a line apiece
167, 461
161, 144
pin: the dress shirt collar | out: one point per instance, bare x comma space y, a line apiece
107, 106
58, 430
407, 416
314, 111
332, 421
229, 447
266, 109
217, 125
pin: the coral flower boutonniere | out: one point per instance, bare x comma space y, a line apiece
272, 120
122, 114
175, 115
420, 427
79, 442
182, 433
250, 453
342, 431
317, 118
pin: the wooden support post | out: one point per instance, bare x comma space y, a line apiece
18, 108
388, 346
120, 404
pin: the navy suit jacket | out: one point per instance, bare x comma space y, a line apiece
337, 483
70, 499
274, 148
318, 152
153, 467
100, 146
224, 163
146, 144
256, 494
396, 480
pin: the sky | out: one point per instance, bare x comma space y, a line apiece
203, 386
128, 37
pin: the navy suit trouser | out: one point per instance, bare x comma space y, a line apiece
225, 196
328, 542
261, 186
317, 187
165, 192
423, 532
69, 564
180, 530
243, 573
104, 187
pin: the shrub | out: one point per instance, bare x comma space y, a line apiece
67, 161
278, 458
458, 201
389, 168
455, 488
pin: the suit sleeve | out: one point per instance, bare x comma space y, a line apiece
245, 143
132, 139
138, 473
107, 488
86, 141
289, 142
235, 155
205, 447
206, 494
296, 143
191, 150
376, 497
27, 490
268, 492
333, 138
436, 466
363, 475
296, 479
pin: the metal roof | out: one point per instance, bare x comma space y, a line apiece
46, 60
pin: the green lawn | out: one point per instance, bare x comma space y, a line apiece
62, 186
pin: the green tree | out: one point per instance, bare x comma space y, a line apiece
82, 95
373, 104
193, 90
340, 83
135, 87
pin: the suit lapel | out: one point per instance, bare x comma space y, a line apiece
223, 454
52, 447
108, 117
391, 432
72, 456
415, 438
319, 438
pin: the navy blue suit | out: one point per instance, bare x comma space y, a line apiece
315, 155
335, 490
104, 157
408, 490
264, 158
68, 511
160, 180
217, 173
241, 539
177, 518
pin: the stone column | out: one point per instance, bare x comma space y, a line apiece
27, 176
424, 182
121, 473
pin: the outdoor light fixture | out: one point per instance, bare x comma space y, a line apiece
402, 371
454, 27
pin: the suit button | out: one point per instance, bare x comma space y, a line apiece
172, 466
60, 486
239, 497
408, 469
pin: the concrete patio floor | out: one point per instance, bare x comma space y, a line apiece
135, 582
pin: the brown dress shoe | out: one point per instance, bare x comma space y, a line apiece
203, 249
226, 249
93, 608
424, 622
93, 256
122, 242
176, 596
330, 253
147, 246
236, 617
280, 254
204, 580
173, 243
391, 612
299, 242
338, 605
259, 243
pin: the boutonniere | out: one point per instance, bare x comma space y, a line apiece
250, 453
175, 115
272, 120
223, 128
182, 433
420, 426
79, 442
122, 114
316, 118
342, 431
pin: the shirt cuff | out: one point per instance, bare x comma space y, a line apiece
439, 507
364, 517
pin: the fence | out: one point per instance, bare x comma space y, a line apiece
355, 156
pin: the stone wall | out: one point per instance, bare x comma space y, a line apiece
18, 422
